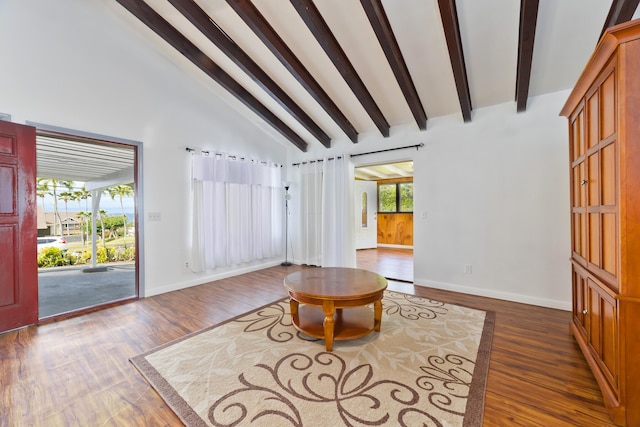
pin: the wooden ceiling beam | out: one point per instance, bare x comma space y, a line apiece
160, 26
265, 32
321, 31
217, 36
620, 11
449, 15
381, 27
528, 20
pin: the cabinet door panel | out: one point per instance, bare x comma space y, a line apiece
608, 107
609, 246
608, 174
579, 283
593, 192
602, 332
577, 141
582, 182
578, 186
608, 325
594, 239
593, 134
580, 235
594, 318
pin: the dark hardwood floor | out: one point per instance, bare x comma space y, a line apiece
76, 372
390, 262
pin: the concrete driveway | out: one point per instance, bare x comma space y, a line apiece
64, 289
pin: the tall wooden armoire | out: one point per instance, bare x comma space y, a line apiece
604, 145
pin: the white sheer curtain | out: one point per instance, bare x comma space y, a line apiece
236, 211
338, 212
309, 219
325, 213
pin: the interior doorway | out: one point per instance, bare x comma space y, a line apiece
384, 219
88, 245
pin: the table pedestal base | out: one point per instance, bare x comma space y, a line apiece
330, 323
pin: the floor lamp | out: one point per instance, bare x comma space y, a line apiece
287, 197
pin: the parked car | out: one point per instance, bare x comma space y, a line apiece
52, 241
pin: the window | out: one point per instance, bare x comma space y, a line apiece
395, 197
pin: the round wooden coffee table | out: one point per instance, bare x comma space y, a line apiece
325, 292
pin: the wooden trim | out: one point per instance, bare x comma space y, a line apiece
160, 26
380, 24
613, 37
218, 37
265, 32
449, 15
320, 30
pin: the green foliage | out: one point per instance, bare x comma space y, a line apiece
54, 257
85, 257
110, 223
387, 198
390, 195
104, 255
125, 254
406, 197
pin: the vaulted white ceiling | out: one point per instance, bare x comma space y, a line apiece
566, 32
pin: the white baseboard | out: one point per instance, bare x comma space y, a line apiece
385, 245
507, 296
211, 277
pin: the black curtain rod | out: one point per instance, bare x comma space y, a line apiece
192, 150
206, 153
314, 161
416, 146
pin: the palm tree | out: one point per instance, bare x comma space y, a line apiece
42, 189
80, 195
65, 196
85, 225
121, 191
52, 190
102, 214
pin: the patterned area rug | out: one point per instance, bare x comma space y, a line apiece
426, 367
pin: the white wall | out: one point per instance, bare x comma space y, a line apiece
91, 66
495, 193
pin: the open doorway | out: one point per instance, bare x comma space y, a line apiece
88, 250
384, 219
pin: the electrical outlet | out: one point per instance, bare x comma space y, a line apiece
186, 264
467, 269
154, 216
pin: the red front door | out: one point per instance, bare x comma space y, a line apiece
18, 227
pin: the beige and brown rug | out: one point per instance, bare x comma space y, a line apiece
427, 367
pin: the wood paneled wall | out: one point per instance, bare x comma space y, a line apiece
395, 228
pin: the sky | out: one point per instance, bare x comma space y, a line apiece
106, 203
112, 207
